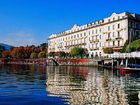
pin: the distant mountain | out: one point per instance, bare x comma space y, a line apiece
6, 47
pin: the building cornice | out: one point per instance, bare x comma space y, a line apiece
90, 27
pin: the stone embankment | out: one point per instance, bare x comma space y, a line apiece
23, 61
62, 62
77, 61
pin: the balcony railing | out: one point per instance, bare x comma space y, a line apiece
118, 38
97, 48
75, 45
115, 46
94, 41
109, 39
59, 47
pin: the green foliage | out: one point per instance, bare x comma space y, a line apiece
43, 47
134, 46
108, 50
126, 47
134, 38
78, 52
17, 52
34, 55
42, 54
1, 49
29, 52
61, 54
109, 39
123, 50
51, 54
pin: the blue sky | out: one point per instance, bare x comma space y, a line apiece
30, 22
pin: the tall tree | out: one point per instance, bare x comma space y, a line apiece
21, 52
6, 54
42, 54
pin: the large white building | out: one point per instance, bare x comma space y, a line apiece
112, 31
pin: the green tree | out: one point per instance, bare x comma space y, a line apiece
125, 47
6, 54
52, 54
133, 46
60, 54
42, 54
43, 47
78, 52
21, 52
123, 50
1, 49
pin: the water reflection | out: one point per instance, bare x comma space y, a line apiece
38, 84
132, 87
88, 86
25, 85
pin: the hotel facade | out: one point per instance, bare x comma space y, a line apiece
112, 31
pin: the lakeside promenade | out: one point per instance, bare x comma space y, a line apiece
112, 60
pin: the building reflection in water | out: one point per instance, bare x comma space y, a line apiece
132, 87
86, 85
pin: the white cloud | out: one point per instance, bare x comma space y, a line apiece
19, 38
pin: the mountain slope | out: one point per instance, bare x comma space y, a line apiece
6, 47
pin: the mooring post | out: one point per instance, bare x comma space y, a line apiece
126, 62
112, 62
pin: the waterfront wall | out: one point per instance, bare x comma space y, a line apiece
66, 61
103, 62
23, 61
77, 61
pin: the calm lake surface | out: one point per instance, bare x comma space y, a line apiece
67, 85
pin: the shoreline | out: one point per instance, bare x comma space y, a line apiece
84, 62
81, 65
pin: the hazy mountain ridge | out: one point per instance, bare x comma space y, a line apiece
6, 46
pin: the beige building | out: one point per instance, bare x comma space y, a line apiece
112, 31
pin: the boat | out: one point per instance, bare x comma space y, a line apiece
125, 71
134, 65
129, 68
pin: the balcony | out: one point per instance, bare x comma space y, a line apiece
94, 41
107, 32
97, 48
119, 38
51, 48
59, 47
109, 39
117, 48
75, 45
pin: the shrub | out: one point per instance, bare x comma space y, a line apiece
42, 54
51, 54
78, 52
134, 46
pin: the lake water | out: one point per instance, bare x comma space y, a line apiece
67, 85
